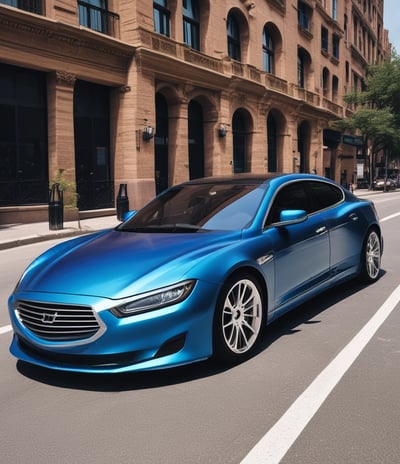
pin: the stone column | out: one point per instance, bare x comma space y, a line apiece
60, 96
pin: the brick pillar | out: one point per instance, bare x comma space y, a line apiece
60, 96
178, 143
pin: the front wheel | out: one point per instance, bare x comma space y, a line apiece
371, 257
239, 318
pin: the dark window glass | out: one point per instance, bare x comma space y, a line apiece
300, 71
161, 16
335, 46
324, 195
324, 39
33, 6
213, 206
268, 52
233, 33
191, 24
303, 16
92, 146
92, 14
292, 196
23, 137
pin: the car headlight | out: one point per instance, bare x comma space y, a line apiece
156, 299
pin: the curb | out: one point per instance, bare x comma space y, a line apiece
41, 238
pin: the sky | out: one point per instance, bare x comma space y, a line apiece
391, 21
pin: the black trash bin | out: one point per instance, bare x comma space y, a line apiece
56, 208
122, 201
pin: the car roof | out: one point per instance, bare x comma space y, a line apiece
242, 178
254, 178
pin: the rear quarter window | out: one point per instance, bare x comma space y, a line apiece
324, 195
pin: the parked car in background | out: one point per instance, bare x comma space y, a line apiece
379, 184
196, 273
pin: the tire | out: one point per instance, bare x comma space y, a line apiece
371, 258
239, 318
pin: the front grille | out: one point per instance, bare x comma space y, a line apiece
58, 322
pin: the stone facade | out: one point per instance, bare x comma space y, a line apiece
253, 116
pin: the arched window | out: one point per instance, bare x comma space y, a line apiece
335, 87
268, 52
191, 24
300, 70
161, 17
325, 82
233, 33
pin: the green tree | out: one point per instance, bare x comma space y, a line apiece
377, 109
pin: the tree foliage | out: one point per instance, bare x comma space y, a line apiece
377, 114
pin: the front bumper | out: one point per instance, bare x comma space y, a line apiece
162, 338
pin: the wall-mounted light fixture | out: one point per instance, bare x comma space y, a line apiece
222, 130
148, 131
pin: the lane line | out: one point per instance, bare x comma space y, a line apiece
5, 329
392, 216
278, 440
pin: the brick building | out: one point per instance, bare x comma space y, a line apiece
154, 93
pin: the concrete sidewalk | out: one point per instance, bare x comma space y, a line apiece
12, 235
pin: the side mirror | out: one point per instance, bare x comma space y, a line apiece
291, 216
128, 215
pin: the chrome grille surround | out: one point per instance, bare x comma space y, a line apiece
60, 323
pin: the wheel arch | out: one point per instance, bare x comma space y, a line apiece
257, 274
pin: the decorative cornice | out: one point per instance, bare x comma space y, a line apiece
43, 28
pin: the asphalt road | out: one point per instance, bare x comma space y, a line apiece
323, 388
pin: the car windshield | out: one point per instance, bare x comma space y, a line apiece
199, 207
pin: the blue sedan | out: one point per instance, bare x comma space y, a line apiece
197, 273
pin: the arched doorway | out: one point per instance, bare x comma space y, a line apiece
195, 140
240, 134
272, 144
303, 145
161, 144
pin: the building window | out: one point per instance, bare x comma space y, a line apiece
95, 15
268, 52
324, 39
191, 24
335, 87
233, 33
304, 16
33, 6
325, 82
23, 137
300, 70
161, 17
335, 46
334, 9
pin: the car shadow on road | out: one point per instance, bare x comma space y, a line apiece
286, 325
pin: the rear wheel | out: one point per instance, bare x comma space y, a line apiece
371, 257
239, 318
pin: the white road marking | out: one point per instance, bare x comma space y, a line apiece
278, 440
392, 216
5, 329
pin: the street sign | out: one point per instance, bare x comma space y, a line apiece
353, 140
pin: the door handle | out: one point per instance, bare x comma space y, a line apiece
320, 230
353, 216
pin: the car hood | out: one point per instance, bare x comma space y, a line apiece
119, 264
